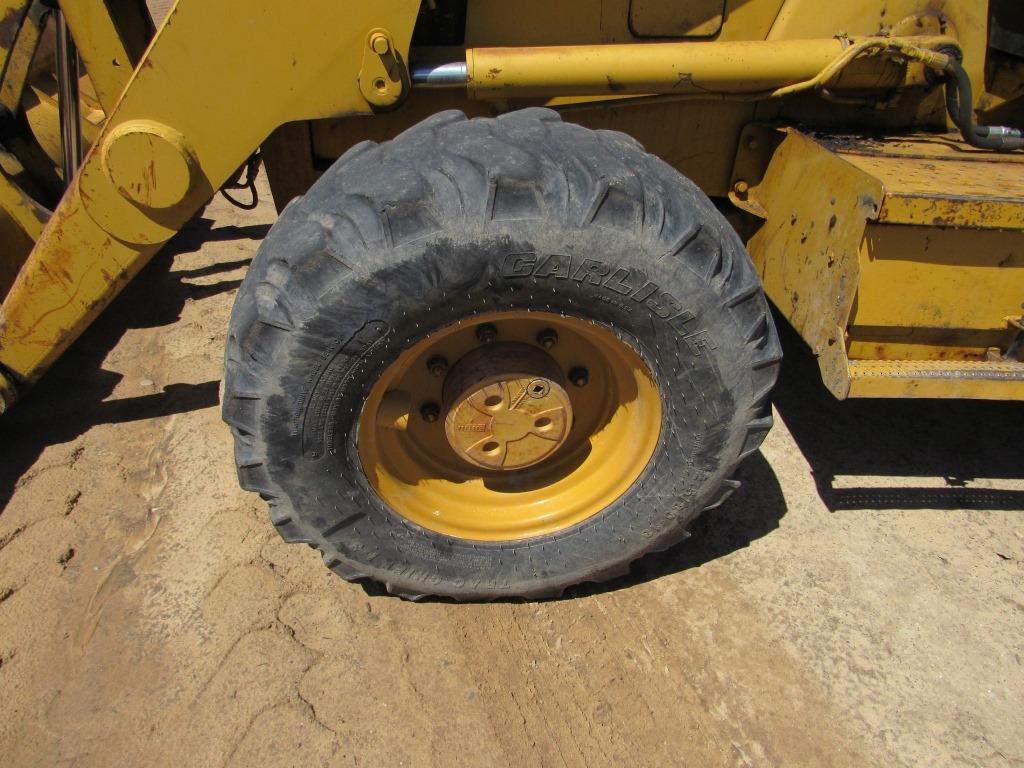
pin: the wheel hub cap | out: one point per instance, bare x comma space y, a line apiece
507, 407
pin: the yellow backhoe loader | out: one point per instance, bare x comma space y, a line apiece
511, 330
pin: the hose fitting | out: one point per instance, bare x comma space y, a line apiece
958, 101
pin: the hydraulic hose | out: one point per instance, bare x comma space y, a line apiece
958, 102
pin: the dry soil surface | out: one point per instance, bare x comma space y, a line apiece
858, 602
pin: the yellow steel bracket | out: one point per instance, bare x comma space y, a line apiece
216, 80
382, 77
807, 250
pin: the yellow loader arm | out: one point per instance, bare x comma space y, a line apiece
212, 85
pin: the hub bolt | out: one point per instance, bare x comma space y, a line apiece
486, 333
437, 366
579, 376
430, 412
547, 338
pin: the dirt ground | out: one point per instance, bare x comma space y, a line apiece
858, 602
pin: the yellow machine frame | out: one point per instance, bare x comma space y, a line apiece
704, 84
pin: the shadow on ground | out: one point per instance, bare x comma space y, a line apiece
73, 395
956, 441
753, 511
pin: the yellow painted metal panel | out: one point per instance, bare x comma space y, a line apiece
219, 86
101, 48
915, 301
816, 206
27, 31
22, 209
711, 132
51, 299
16, 244
574, 22
924, 277
11, 14
219, 102
936, 182
874, 342
41, 111
749, 19
656, 18
542, 22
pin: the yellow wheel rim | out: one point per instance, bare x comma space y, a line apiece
535, 461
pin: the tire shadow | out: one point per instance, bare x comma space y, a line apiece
74, 394
753, 511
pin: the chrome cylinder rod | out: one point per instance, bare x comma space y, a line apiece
440, 75
67, 95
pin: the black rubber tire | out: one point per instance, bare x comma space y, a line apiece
456, 217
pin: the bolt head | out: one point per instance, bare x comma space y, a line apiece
430, 412
486, 333
547, 338
579, 376
437, 366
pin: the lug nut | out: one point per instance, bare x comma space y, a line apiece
579, 376
547, 338
430, 412
437, 366
486, 333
